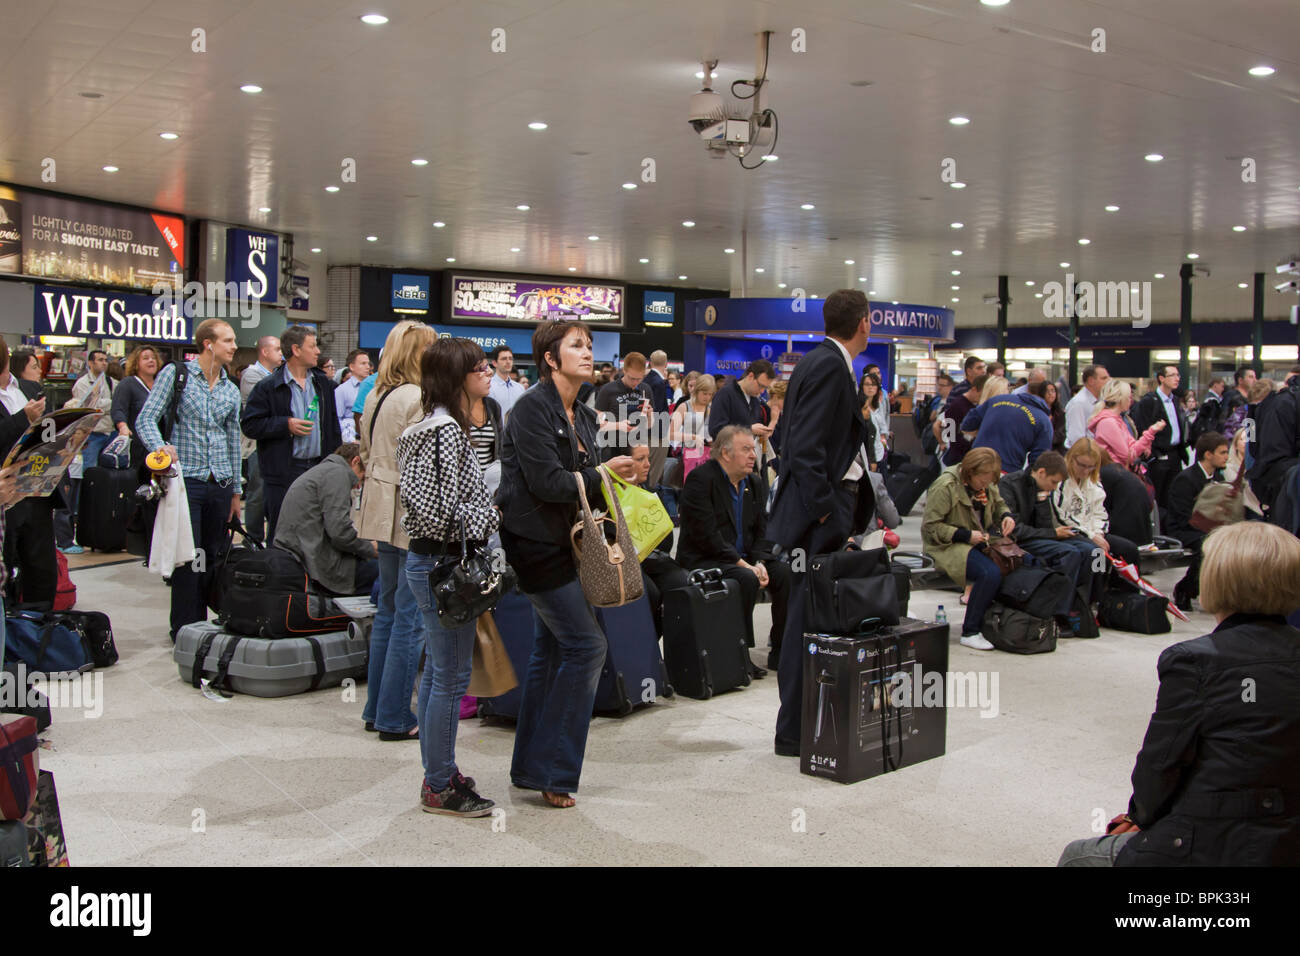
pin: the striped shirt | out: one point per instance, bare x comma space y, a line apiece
483, 439
206, 436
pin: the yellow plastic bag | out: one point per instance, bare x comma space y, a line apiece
647, 518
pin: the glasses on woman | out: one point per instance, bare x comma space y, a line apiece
483, 369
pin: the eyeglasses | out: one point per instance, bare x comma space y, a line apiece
483, 369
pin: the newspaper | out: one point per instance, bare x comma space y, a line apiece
44, 452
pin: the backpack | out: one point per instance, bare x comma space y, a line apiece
174, 410
1019, 632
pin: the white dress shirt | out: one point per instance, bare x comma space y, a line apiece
12, 396
1171, 413
1077, 412
505, 392
859, 466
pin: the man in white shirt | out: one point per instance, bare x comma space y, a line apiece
345, 395
505, 391
1080, 408
268, 360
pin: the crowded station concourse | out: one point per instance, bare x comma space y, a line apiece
618, 475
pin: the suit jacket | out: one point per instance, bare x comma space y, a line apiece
266, 419
1187, 484
658, 390
825, 429
1151, 410
708, 519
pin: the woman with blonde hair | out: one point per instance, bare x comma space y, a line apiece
1107, 425
995, 385
397, 635
689, 426
1079, 503
963, 510
1211, 782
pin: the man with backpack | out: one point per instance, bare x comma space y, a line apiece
1277, 440
201, 404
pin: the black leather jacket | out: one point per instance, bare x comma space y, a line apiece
1020, 492
1217, 782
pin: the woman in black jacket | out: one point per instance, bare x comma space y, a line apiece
141, 367
1217, 781
549, 437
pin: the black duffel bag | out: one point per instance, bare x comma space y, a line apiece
1019, 632
1034, 589
847, 587
1136, 611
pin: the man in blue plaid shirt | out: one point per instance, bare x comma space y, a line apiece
205, 441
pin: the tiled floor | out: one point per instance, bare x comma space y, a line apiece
166, 776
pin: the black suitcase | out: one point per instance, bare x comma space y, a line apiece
263, 593
634, 672
908, 484
1135, 611
515, 622
704, 636
107, 501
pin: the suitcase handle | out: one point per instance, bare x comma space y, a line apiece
250, 579
709, 581
908, 559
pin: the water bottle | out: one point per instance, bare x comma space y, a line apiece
941, 616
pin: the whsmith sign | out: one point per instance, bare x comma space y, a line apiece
115, 315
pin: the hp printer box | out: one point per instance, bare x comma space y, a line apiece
870, 704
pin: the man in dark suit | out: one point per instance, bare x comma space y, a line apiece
657, 381
29, 534
1169, 449
724, 526
1211, 456
822, 486
290, 414
736, 403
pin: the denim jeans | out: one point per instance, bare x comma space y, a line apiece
449, 656
558, 692
1097, 851
985, 579
254, 506
395, 644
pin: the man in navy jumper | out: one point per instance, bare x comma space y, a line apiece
1017, 427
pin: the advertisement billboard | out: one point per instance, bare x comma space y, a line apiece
528, 301
410, 293
63, 310
253, 264
56, 237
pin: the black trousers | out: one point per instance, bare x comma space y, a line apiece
660, 574
209, 503
1161, 474
1191, 582
276, 488
29, 550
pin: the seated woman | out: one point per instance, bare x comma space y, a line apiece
1080, 502
963, 509
1211, 782
1128, 502
1108, 426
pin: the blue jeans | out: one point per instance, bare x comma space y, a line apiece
985, 579
558, 692
1096, 851
394, 648
449, 656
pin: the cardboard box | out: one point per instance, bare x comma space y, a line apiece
864, 712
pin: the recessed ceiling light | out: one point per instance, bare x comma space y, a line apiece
955, 299
537, 124
1193, 255
759, 269
862, 278
109, 169
688, 223
848, 262
439, 224
372, 238
1153, 157
1261, 71
514, 248
957, 185
995, 3
169, 135
682, 278
894, 302
573, 268
1064, 265
593, 238
331, 189
1160, 275
959, 120
315, 249
1241, 285
1084, 242
523, 207
1038, 295
955, 288
807, 205
1029, 282
374, 19
957, 225
956, 252
251, 88
1112, 208
770, 158
871, 292
956, 272
699, 74
729, 251
629, 185
643, 260
451, 258
263, 208
780, 285
1238, 228
419, 162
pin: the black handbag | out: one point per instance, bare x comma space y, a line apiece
1138, 612
1034, 589
847, 587
465, 587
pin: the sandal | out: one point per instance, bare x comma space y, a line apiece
370, 726
559, 801
412, 734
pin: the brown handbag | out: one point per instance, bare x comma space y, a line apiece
610, 575
492, 674
1006, 554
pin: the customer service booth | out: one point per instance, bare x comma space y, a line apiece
722, 336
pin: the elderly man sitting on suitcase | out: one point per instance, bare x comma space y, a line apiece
316, 525
723, 523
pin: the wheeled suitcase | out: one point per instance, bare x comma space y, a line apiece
704, 636
107, 500
634, 672
263, 593
267, 668
13, 844
514, 619
908, 484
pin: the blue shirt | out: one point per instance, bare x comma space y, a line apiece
206, 436
304, 404
505, 392
738, 502
359, 405
1171, 412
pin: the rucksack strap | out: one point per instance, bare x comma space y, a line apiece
174, 410
319, 654
200, 655
223, 665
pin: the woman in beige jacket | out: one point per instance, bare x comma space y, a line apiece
397, 636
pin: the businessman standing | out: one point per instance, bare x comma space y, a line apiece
822, 486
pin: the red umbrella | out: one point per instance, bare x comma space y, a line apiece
1130, 573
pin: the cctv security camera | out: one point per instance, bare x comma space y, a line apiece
707, 108
1203, 271
1292, 286
1290, 266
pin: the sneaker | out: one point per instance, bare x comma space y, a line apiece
465, 781
976, 642
457, 800
73, 549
